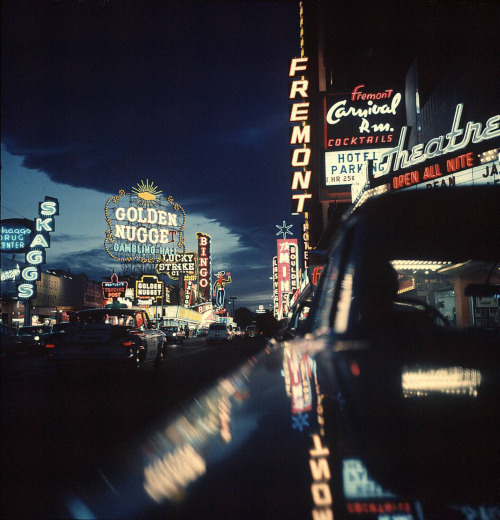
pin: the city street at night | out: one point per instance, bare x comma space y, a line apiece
250, 260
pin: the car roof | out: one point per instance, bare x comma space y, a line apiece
452, 222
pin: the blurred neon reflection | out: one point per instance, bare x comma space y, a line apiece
452, 380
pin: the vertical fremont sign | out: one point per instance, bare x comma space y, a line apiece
300, 135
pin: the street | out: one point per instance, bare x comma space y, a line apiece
55, 430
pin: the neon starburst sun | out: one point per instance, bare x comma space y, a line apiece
147, 192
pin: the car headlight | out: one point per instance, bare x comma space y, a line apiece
37, 338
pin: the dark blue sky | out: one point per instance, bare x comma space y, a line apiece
192, 95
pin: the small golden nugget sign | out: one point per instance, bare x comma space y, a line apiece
175, 264
143, 226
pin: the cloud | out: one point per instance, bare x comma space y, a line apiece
78, 240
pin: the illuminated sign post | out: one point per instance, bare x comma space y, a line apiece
444, 161
16, 235
149, 288
35, 255
287, 268
300, 137
359, 127
175, 264
205, 266
143, 226
219, 291
114, 289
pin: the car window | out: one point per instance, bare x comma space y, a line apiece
325, 303
217, 326
410, 285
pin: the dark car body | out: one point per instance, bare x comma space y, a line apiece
383, 410
174, 333
251, 332
107, 338
33, 338
218, 333
9, 342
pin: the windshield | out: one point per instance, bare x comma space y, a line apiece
217, 327
33, 330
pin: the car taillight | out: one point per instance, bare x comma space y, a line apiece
127, 343
49, 345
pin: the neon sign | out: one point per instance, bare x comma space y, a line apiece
175, 264
473, 132
300, 135
367, 118
36, 253
287, 267
143, 225
149, 288
275, 287
114, 288
219, 292
205, 265
16, 235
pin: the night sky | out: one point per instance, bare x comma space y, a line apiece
193, 96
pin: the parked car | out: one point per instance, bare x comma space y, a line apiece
201, 333
251, 332
384, 409
218, 333
107, 338
33, 338
174, 333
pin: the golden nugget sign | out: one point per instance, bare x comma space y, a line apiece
143, 225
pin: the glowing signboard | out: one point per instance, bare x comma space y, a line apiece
16, 235
205, 266
346, 167
473, 133
35, 256
149, 288
175, 264
464, 169
300, 135
275, 287
219, 291
287, 265
143, 225
114, 288
367, 117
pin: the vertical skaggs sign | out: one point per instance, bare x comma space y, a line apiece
35, 255
204, 266
300, 135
